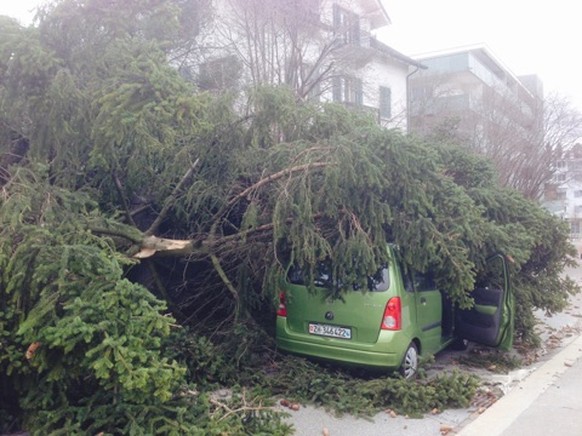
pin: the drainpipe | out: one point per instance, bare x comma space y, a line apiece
418, 67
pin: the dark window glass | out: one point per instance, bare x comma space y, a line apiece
377, 282
346, 25
346, 89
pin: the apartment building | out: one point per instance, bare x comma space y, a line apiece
321, 49
470, 88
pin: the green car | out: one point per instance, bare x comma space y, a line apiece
400, 316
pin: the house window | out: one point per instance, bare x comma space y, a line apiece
221, 73
346, 25
305, 79
578, 193
348, 90
385, 105
577, 209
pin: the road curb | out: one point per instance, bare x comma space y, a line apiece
500, 415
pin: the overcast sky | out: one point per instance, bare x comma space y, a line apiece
20, 9
528, 37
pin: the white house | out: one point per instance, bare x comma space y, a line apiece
322, 49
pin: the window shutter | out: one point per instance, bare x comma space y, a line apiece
385, 106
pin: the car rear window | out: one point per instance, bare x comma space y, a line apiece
377, 282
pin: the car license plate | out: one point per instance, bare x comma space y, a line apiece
331, 331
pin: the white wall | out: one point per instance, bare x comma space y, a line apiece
390, 74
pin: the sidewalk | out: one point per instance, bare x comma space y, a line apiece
547, 402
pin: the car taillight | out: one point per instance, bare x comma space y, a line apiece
392, 319
282, 310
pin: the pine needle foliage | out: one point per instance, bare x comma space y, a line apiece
107, 151
77, 325
82, 346
295, 379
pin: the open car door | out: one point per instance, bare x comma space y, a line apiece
490, 321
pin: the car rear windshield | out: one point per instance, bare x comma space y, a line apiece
377, 282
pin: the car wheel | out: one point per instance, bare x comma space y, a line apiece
409, 366
460, 344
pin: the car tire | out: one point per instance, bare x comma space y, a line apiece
460, 344
409, 367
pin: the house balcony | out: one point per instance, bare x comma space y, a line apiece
359, 50
371, 111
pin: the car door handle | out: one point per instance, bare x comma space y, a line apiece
423, 300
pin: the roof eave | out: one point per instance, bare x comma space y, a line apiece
378, 16
395, 54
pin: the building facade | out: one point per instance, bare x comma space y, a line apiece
321, 49
470, 88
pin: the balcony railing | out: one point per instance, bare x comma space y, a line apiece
372, 111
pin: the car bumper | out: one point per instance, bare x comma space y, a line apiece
386, 353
